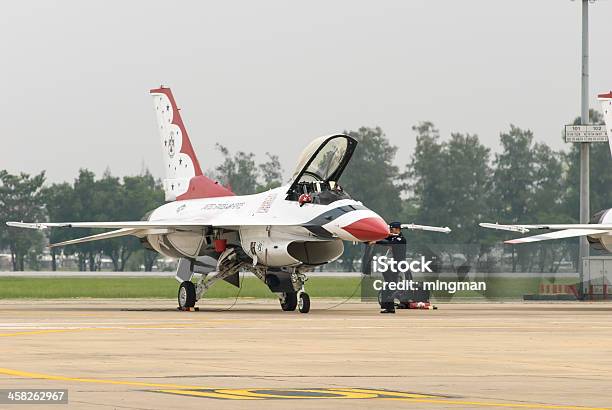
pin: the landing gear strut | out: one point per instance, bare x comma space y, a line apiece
186, 295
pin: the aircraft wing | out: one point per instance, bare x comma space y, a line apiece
563, 231
111, 225
566, 233
527, 228
135, 228
106, 235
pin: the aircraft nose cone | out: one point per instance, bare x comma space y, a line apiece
368, 229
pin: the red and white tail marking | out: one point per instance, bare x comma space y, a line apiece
606, 107
184, 177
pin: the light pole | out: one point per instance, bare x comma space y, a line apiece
584, 146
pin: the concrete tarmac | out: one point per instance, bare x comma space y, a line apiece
144, 354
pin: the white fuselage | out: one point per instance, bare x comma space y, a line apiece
269, 226
266, 208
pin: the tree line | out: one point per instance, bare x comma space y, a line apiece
26, 198
455, 181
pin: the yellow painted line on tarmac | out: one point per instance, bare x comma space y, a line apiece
209, 394
42, 376
278, 393
395, 394
274, 393
492, 404
344, 394
151, 326
354, 393
35, 332
83, 329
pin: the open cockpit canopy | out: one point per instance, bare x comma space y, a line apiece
320, 166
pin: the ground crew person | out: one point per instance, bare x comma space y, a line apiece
397, 242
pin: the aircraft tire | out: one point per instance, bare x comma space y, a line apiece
187, 295
290, 302
304, 303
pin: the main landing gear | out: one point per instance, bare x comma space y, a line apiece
227, 265
289, 301
289, 286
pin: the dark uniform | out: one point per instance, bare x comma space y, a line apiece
397, 242
398, 245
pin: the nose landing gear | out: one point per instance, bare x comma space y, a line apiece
187, 295
304, 302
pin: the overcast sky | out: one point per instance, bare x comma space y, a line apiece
271, 75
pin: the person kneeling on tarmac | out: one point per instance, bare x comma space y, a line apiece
397, 242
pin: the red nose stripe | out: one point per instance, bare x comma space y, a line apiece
368, 229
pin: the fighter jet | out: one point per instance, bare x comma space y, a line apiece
278, 235
598, 232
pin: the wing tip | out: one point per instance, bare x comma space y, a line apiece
26, 225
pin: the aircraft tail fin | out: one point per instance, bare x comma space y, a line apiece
606, 107
184, 177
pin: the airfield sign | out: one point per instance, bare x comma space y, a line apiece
586, 133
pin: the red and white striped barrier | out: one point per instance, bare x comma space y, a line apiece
556, 289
